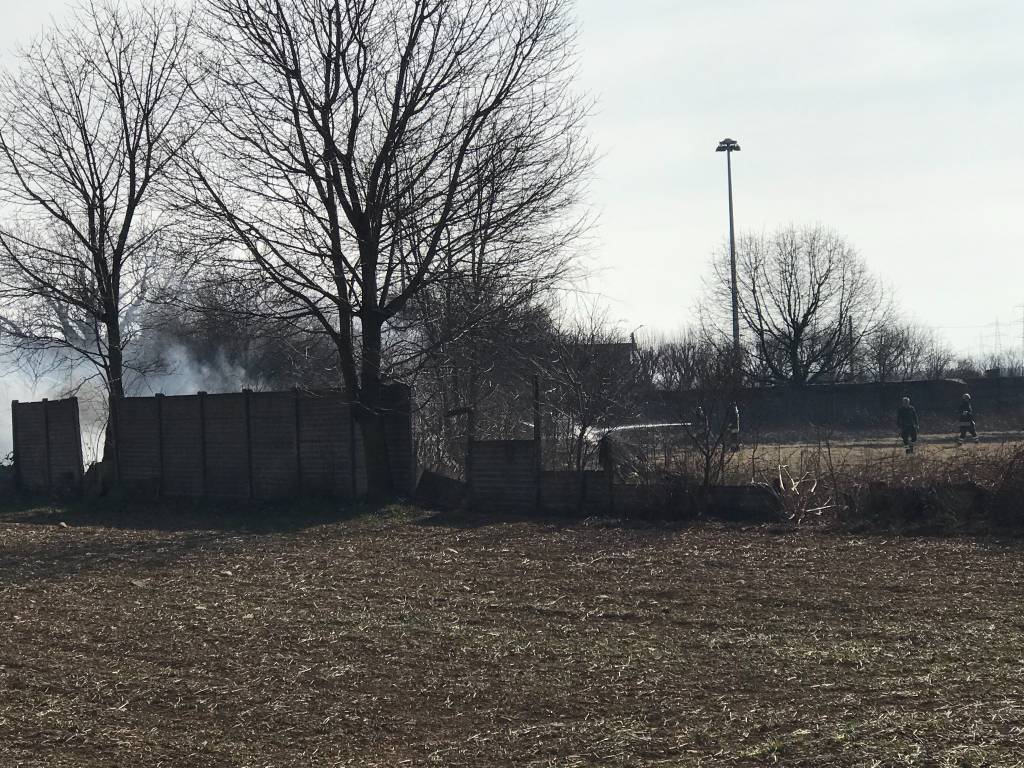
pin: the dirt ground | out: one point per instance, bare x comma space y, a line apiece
415, 640
875, 445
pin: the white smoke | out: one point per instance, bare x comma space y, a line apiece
182, 374
44, 378
178, 374
14, 385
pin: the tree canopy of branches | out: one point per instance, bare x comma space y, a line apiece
365, 148
89, 127
897, 351
695, 376
478, 384
219, 327
592, 380
806, 301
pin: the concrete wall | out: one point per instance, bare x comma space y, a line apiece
997, 393
8, 485
259, 445
47, 446
327, 448
503, 475
561, 491
503, 478
401, 445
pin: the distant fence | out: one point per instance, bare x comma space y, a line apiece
859, 405
47, 446
505, 476
257, 445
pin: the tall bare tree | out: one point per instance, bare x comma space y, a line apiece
477, 384
356, 140
806, 301
593, 382
694, 375
889, 353
682, 363
897, 351
89, 127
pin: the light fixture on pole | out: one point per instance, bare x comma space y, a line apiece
729, 146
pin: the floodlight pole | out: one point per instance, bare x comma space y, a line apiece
729, 146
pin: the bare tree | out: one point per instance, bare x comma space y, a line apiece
889, 353
937, 358
219, 327
806, 302
89, 127
682, 363
695, 374
1002, 363
592, 382
475, 379
355, 141
898, 351
966, 368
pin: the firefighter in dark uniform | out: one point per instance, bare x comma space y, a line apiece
967, 424
732, 426
699, 428
906, 421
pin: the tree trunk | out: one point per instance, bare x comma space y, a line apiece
581, 478
379, 484
115, 388
370, 416
472, 393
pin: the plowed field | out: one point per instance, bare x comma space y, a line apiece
408, 639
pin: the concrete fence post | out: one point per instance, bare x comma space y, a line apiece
46, 445
248, 436
78, 441
353, 450
159, 398
202, 439
298, 439
14, 439
115, 432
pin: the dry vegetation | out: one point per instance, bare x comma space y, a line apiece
835, 481
415, 640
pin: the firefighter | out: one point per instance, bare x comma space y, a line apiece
732, 427
967, 424
906, 421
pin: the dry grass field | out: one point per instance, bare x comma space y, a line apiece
406, 639
875, 446
801, 454
829, 476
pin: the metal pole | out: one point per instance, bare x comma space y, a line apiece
732, 262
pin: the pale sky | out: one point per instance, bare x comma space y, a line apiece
894, 122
